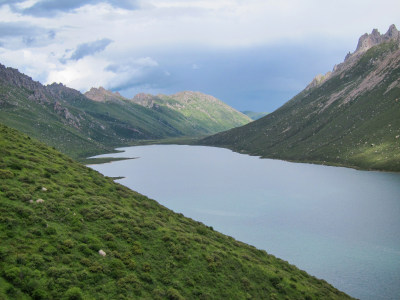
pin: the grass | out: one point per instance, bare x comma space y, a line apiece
56, 215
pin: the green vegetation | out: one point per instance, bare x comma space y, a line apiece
56, 216
202, 111
351, 119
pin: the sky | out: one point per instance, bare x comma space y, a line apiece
252, 54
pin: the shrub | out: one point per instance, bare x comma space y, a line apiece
137, 248
73, 293
6, 174
173, 294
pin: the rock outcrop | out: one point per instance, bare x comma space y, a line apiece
365, 42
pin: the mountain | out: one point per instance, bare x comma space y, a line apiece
74, 124
203, 111
254, 115
350, 116
68, 232
103, 95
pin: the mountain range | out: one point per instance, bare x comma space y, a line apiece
81, 126
350, 116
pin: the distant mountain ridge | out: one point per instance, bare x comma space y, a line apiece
348, 117
198, 107
204, 112
68, 120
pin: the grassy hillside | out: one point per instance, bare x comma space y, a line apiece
351, 119
205, 112
56, 216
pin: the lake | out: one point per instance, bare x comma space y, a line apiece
338, 224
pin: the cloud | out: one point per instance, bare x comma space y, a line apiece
16, 35
10, 2
142, 72
12, 29
48, 8
87, 49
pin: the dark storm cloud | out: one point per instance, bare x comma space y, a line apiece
49, 8
87, 49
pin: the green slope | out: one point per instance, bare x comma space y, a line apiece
50, 247
351, 119
206, 113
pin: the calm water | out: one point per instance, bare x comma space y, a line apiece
338, 224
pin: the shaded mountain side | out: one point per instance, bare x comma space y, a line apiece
350, 117
203, 110
66, 119
67, 232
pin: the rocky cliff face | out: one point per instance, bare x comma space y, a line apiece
365, 42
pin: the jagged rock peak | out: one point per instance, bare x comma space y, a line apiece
392, 32
367, 41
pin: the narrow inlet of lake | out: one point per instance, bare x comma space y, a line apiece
338, 224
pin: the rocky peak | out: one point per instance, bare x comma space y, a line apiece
60, 91
102, 95
365, 42
392, 33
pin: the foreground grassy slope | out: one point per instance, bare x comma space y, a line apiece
57, 214
352, 119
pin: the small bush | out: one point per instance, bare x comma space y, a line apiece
73, 293
173, 294
6, 174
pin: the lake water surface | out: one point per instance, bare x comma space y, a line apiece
338, 224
